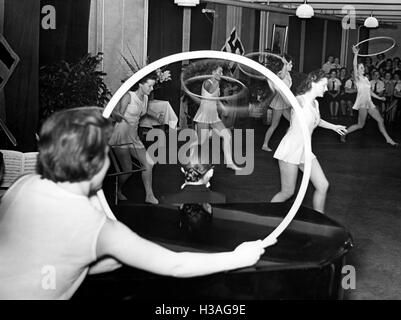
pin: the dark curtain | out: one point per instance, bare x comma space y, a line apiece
294, 40
256, 31
21, 29
363, 35
333, 42
314, 44
69, 41
201, 28
165, 38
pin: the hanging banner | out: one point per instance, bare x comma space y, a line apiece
8, 61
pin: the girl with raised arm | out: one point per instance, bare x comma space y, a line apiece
364, 104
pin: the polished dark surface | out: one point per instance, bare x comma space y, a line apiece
305, 263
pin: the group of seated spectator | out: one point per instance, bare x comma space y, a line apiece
384, 76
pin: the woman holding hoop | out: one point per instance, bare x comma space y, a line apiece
208, 118
363, 102
290, 152
133, 106
279, 106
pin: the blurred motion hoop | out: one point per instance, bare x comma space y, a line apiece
376, 53
208, 76
260, 53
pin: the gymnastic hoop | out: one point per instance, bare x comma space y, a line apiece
208, 76
260, 53
125, 87
376, 53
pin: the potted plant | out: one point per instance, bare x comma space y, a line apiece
162, 74
65, 85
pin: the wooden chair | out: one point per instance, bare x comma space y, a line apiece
137, 167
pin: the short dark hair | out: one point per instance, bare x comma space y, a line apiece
150, 76
274, 63
195, 169
72, 144
306, 84
288, 57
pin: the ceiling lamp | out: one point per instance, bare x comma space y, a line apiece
305, 11
371, 22
187, 3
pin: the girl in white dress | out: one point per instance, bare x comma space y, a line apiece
290, 152
279, 106
207, 117
133, 106
363, 102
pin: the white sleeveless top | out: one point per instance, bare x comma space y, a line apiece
207, 112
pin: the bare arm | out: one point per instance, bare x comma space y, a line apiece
355, 61
397, 93
158, 116
374, 95
210, 86
121, 107
349, 90
340, 129
104, 265
117, 240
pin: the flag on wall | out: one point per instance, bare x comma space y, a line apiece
233, 44
8, 61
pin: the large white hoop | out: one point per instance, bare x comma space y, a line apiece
258, 67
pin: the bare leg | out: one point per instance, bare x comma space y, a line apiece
349, 105
362, 114
223, 132
203, 131
343, 107
321, 185
124, 158
288, 177
332, 109
273, 126
140, 154
336, 109
375, 114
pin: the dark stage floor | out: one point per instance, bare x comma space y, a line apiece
364, 195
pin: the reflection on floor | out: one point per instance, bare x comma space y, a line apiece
365, 184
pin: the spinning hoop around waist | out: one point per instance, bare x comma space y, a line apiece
263, 54
208, 76
376, 53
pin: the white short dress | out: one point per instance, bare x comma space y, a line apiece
363, 96
291, 148
278, 102
127, 132
207, 112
